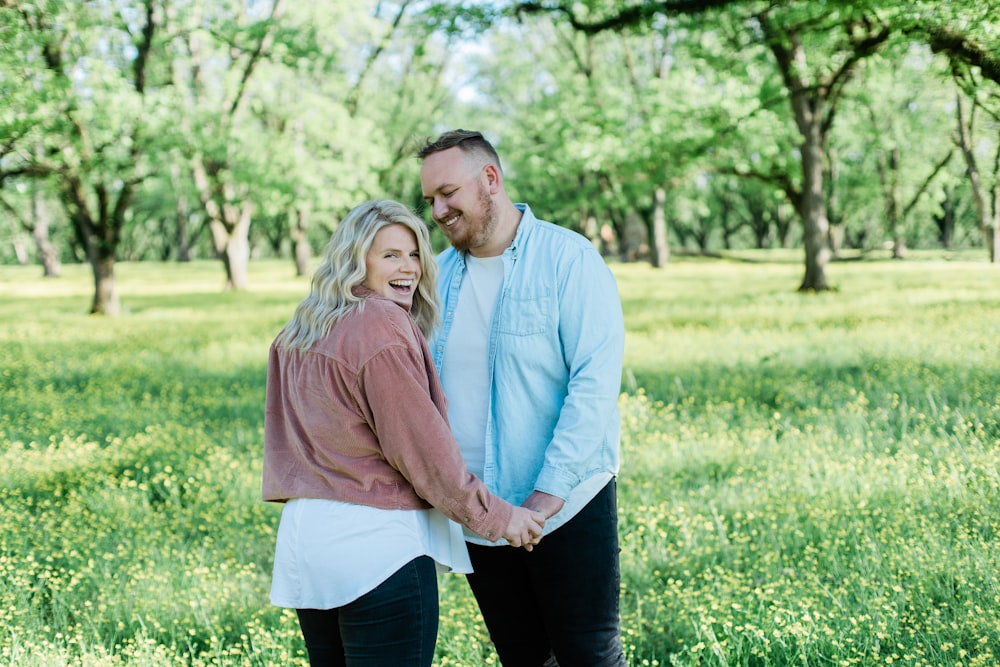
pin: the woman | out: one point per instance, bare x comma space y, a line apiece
358, 446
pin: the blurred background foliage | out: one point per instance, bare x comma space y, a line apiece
138, 130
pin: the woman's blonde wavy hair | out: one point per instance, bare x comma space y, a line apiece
343, 268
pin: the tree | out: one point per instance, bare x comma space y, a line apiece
814, 98
985, 181
892, 143
592, 127
792, 33
800, 33
213, 75
317, 118
23, 195
90, 61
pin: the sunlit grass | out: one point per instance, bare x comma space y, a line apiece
808, 479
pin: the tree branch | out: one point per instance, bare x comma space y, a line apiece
355, 93
958, 47
865, 39
624, 18
927, 182
143, 48
20, 219
259, 51
780, 180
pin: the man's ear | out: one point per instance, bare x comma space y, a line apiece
494, 179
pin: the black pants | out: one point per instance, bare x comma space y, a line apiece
394, 625
561, 599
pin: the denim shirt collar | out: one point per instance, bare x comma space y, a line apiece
523, 227
528, 220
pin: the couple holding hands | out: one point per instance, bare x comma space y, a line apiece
457, 414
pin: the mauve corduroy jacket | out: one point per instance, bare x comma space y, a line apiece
361, 418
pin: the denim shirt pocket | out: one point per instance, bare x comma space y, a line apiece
526, 313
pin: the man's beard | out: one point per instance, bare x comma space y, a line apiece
481, 228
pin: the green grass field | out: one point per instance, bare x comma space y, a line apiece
806, 480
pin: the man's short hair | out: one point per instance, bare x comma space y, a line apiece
468, 141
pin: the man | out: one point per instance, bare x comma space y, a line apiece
530, 355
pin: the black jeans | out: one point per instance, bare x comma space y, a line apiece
394, 625
561, 599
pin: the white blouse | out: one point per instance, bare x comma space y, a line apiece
330, 553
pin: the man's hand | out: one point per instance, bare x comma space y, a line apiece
543, 502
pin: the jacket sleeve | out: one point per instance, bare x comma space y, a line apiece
398, 387
592, 335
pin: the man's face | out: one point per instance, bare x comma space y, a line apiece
457, 190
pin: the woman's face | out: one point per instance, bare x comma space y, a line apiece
393, 264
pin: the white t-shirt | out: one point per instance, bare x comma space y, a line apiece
465, 365
330, 553
466, 381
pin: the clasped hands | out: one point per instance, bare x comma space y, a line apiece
528, 521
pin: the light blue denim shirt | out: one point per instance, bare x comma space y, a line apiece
556, 344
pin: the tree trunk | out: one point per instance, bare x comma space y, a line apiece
637, 235
834, 214
47, 253
890, 185
660, 255
618, 226
300, 241
783, 223
181, 215
812, 209
106, 300
989, 220
20, 250
945, 221
589, 228
993, 235
232, 243
98, 231
607, 244
993, 230
837, 238
229, 222
808, 102
813, 104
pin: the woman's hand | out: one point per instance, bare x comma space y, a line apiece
525, 528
